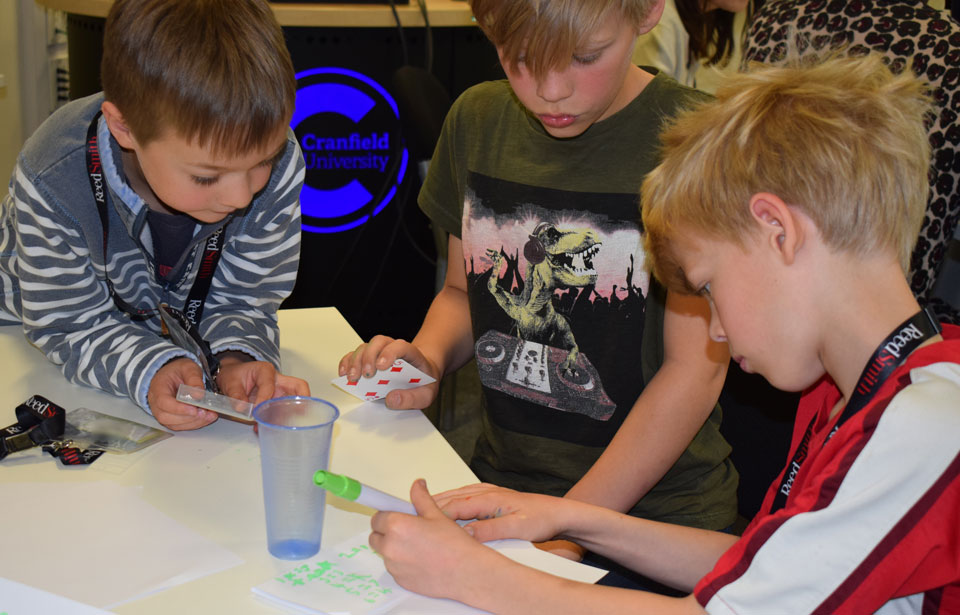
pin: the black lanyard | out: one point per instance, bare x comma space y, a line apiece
40, 422
885, 360
213, 248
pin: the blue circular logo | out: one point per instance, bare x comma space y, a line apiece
348, 127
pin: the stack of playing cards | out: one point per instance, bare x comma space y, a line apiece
400, 375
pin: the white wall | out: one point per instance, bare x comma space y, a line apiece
32, 44
11, 136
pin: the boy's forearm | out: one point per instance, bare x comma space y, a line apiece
666, 417
446, 336
511, 588
660, 426
674, 555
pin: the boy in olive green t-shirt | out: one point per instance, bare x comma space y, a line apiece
597, 384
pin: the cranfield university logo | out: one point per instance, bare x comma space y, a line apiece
348, 127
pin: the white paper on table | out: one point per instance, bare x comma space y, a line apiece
121, 547
350, 578
19, 599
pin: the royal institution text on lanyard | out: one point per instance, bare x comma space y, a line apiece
212, 248
885, 360
40, 422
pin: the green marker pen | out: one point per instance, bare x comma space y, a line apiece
355, 491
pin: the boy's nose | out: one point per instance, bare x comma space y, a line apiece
237, 194
554, 87
716, 331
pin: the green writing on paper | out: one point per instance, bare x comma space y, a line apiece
363, 586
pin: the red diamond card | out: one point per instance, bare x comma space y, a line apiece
400, 375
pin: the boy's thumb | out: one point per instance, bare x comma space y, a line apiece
422, 500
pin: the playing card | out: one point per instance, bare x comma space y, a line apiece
400, 375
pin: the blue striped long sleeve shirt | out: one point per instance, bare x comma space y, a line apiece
52, 269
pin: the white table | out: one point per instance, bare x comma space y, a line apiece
180, 476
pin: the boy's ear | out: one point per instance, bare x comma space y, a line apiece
652, 18
779, 228
117, 125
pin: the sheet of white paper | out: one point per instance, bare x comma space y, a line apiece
350, 578
121, 547
19, 599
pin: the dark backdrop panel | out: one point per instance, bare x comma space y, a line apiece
381, 275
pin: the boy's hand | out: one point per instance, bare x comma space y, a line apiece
162, 396
255, 381
429, 553
380, 353
504, 513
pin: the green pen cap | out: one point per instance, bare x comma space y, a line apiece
337, 484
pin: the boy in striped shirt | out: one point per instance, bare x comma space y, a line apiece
178, 184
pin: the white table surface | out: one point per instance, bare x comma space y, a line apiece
223, 501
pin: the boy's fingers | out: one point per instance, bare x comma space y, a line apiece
194, 378
467, 491
410, 399
291, 385
349, 361
422, 501
485, 530
194, 418
372, 354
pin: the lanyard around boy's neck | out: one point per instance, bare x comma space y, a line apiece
213, 247
891, 353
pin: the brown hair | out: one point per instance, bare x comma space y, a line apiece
711, 32
217, 71
841, 139
547, 33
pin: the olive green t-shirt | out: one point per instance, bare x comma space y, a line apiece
568, 324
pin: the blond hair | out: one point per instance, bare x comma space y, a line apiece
217, 71
842, 139
545, 34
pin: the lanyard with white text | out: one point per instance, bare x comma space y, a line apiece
193, 309
40, 422
885, 360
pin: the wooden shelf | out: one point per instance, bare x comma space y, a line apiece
442, 13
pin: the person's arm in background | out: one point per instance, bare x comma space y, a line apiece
443, 344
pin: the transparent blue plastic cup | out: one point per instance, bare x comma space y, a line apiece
295, 434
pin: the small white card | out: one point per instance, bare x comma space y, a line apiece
227, 407
400, 375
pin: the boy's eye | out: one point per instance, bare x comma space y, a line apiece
203, 181
589, 58
704, 290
